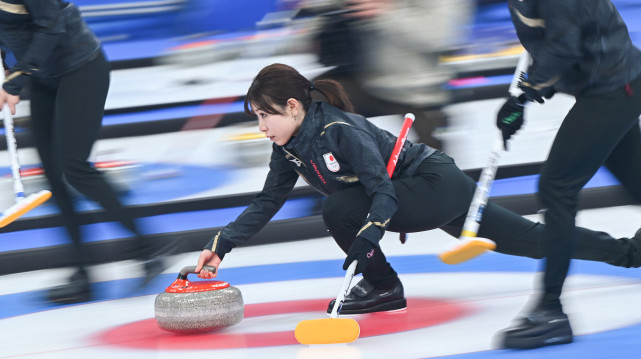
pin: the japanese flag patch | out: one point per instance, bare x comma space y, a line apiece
331, 162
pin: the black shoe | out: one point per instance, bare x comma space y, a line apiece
78, 290
365, 298
538, 329
632, 256
635, 250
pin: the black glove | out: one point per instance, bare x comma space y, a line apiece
509, 119
361, 250
532, 94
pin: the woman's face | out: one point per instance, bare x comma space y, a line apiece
280, 127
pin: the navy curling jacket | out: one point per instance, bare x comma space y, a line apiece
333, 150
577, 46
48, 38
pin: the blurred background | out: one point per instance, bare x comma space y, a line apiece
187, 160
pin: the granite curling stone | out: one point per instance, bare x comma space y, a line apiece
198, 307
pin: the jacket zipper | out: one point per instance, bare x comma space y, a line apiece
296, 157
302, 175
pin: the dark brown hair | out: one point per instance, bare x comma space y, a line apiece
277, 83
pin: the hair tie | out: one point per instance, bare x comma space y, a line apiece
311, 86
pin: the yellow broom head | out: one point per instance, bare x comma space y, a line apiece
327, 331
25, 205
468, 249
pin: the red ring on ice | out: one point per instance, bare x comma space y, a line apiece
146, 334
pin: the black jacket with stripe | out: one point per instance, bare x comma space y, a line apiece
577, 46
333, 150
47, 37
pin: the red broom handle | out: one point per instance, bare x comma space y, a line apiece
400, 141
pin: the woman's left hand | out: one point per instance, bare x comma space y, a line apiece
9, 99
361, 250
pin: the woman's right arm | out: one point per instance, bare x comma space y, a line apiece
48, 26
279, 183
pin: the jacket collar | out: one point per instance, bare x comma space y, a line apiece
309, 129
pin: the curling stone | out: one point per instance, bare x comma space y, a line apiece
198, 307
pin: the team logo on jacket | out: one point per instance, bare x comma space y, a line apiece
331, 162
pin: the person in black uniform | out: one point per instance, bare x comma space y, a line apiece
62, 62
581, 48
343, 156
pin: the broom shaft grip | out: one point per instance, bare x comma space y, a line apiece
482, 192
12, 148
520, 70
344, 288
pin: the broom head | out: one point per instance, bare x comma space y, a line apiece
23, 206
470, 247
327, 331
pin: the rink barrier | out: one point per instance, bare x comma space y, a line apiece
308, 226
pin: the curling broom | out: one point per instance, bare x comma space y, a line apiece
23, 204
335, 330
471, 246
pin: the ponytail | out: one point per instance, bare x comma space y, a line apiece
335, 94
277, 83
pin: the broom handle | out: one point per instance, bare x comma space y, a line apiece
482, 192
400, 142
12, 147
391, 165
344, 288
521, 69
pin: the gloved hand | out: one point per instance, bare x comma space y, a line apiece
532, 94
361, 250
509, 119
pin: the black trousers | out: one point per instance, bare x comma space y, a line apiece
439, 196
599, 130
66, 117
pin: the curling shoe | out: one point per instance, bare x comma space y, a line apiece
632, 248
365, 298
77, 290
635, 250
538, 329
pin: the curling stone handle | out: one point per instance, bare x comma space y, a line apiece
192, 269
